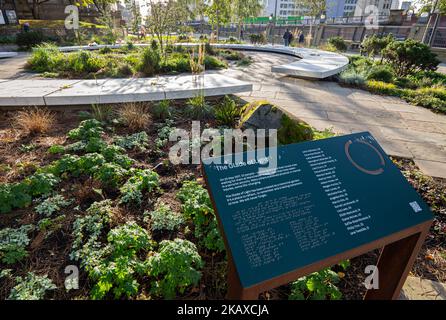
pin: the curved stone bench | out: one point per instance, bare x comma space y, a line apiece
313, 63
65, 92
8, 54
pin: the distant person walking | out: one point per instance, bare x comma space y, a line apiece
287, 38
241, 35
301, 38
26, 27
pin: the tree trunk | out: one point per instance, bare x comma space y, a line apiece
35, 9
310, 37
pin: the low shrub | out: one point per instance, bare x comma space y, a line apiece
34, 120
352, 77
410, 56
432, 98
338, 43
176, 64
175, 267
257, 38
211, 63
46, 57
27, 40
84, 62
381, 73
150, 62
382, 87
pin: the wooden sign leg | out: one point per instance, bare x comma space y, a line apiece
394, 265
235, 288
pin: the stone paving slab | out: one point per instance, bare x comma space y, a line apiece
79, 92
432, 168
30, 92
422, 289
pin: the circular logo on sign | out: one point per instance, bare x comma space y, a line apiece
374, 172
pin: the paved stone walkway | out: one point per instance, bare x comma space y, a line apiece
402, 129
421, 289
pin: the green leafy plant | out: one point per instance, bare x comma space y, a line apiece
41, 183
117, 271
13, 243
161, 110
319, 285
51, 205
228, 112
87, 129
140, 181
163, 218
87, 230
15, 195
110, 174
56, 149
163, 135
197, 206
137, 140
175, 267
32, 287
198, 108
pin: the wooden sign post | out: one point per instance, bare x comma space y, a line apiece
313, 205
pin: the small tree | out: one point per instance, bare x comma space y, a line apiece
164, 17
219, 12
314, 9
244, 9
410, 56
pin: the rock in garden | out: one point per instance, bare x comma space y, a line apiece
263, 115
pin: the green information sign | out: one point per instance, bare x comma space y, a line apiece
323, 198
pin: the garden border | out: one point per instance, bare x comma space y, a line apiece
313, 63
